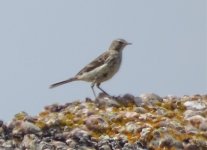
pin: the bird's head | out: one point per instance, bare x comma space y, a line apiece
118, 44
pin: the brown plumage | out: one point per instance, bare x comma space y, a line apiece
102, 68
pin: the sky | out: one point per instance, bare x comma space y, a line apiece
42, 42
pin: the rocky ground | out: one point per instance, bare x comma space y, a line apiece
145, 122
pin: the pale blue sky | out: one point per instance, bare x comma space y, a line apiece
43, 42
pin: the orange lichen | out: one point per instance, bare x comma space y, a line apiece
44, 113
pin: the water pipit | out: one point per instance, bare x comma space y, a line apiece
102, 68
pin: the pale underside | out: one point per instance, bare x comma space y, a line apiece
102, 68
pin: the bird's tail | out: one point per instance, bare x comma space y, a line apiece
63, 82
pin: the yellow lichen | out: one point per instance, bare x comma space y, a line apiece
40, 124
20, 116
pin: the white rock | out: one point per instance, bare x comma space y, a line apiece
195, 105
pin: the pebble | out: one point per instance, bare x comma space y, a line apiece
126, 122
195, 105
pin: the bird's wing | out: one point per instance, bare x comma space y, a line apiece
95, 63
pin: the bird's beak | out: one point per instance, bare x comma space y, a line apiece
129, 44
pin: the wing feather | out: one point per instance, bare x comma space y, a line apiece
95, 63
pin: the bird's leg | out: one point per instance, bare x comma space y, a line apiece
98, 86
92, 87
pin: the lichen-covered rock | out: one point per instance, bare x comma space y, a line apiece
96, 123
22, 128
145, 122
150, 98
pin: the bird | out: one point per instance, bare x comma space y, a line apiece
102, 68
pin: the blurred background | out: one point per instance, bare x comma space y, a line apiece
43, 42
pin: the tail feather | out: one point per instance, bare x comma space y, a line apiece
63, 82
